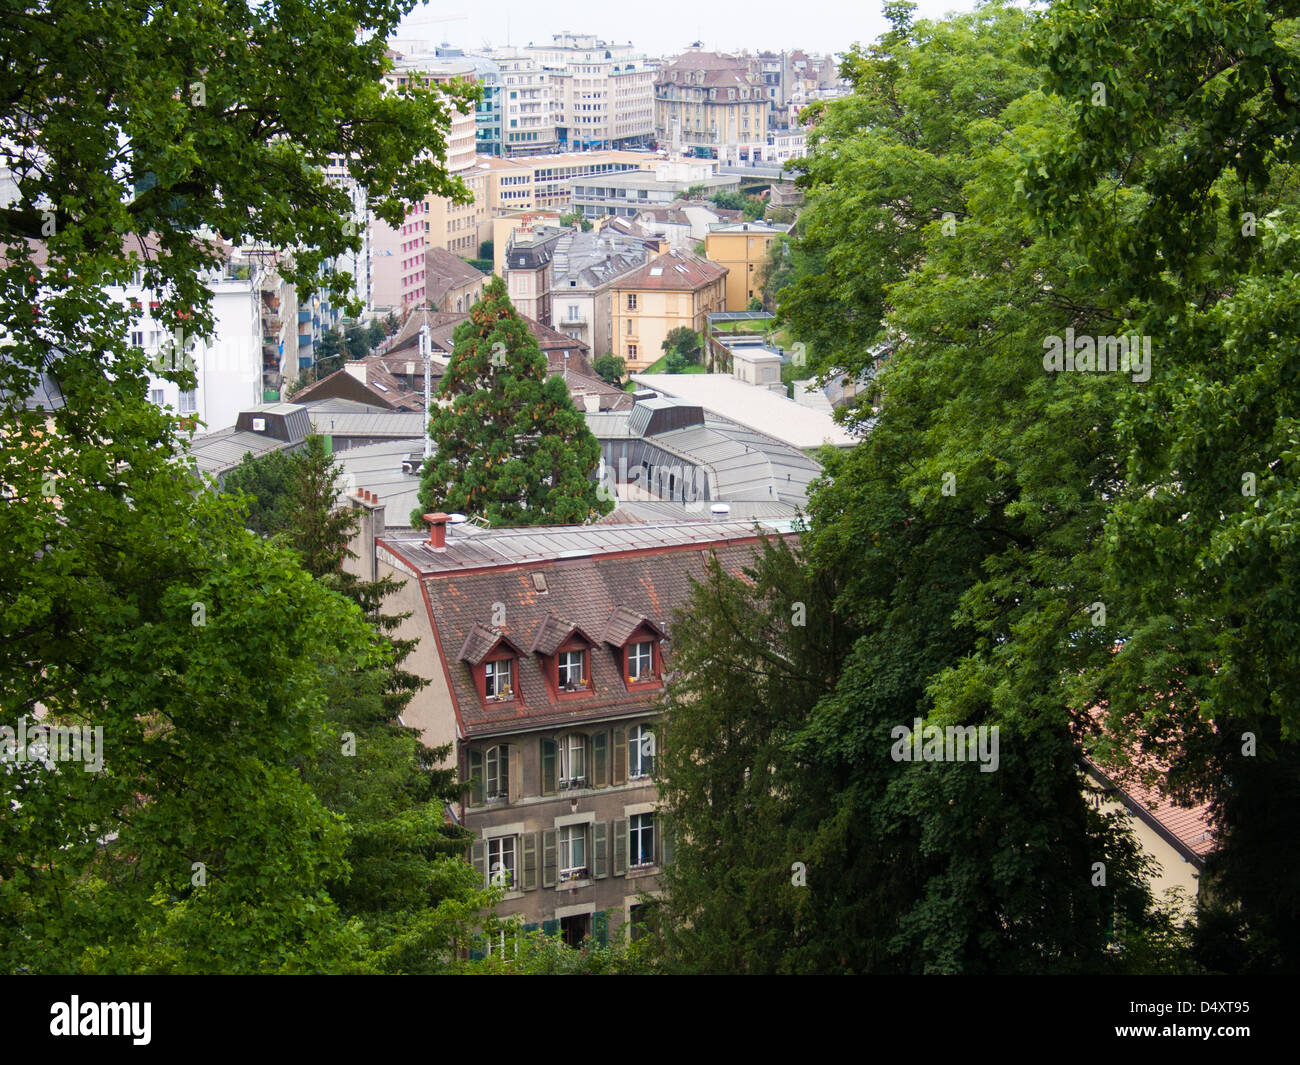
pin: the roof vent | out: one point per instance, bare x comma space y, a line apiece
259, 425
539, 583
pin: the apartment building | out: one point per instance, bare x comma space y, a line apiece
528, 268
528, 106
546, 651
671, 290
742, 247
585, 267
624, 195
712, 105
604, 92
398, 278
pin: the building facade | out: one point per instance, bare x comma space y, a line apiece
711, 105
604, 92
546, 650
672, 290
742, 247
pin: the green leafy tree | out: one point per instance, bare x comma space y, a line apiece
576, 219
1197, 553
375, 333
685, 342
509, 443
610, 367
129, 601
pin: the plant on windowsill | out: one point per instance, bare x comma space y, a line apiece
503, 695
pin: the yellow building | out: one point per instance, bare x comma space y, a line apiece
672, 290
742, 247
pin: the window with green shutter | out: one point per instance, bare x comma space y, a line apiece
600, 759
549, 759
620, 846
548, 858
478, 858
600, 928
475, 777
551, 928
618, 771
599, 850
529, 861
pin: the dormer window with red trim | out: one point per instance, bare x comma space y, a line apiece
493, 663
571, 673
499, 679
642, 667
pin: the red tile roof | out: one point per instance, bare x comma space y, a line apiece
673, 271
598, 596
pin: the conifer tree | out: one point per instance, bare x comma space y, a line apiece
510, 444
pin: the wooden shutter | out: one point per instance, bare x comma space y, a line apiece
551, 928
618, 771
600, 760
600, 928
620, 846
599, 850
514, 781
528, 858
665, 842
475, 777
548, 766
478, 858
548, 858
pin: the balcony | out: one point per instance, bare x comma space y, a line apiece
304, 316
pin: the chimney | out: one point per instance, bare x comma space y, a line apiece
438, 530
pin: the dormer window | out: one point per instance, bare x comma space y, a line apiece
571, 670
498, 678
641, 661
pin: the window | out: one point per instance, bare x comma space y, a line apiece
631, 351
636, 921
501, 861
573, 761
573, 852
631, 301
641, 840
498, 678
641, 660
572, 670
188, 403
157, 396
137, 338
497, 772
640, 752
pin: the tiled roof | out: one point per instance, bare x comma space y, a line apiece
1187, 829
479, 641
673, 271
583, 593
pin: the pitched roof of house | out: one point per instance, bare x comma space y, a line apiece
445, 271
442, 326
674, 271
600, 581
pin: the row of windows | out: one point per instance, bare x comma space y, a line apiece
567, 762
568, 853
572, 671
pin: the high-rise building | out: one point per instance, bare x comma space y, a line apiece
604, 92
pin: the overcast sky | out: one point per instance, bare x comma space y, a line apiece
663, 27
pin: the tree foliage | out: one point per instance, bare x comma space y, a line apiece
510, 444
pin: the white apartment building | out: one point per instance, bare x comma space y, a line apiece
528, 105
604, 91
228, 364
